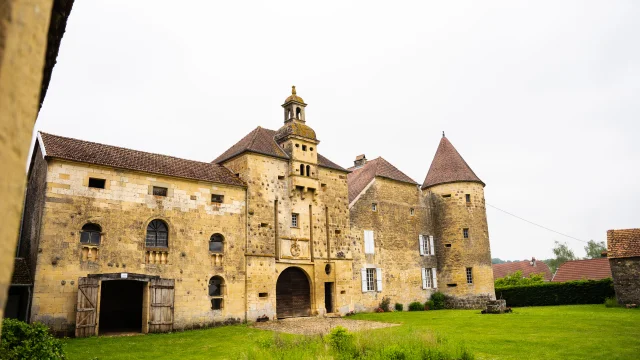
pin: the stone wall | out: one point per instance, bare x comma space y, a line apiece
452, 214
122, 210
626, 282
396, 234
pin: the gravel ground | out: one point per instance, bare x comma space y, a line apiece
315, 325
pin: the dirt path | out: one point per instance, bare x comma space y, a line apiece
314, 325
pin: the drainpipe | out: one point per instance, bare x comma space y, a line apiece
246, 252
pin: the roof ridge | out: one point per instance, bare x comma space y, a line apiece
124, 148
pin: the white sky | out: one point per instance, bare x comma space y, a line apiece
541, 98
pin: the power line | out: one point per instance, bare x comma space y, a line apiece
538, 225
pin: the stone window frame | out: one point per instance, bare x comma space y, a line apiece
465, 233
217, 198
104, 183
162, 185
295, 220
374, 206
220, 297
155, 246
412, 212
467, 198
85, 180
221, 251
91, 232
469, 273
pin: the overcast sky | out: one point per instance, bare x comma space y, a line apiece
540, 98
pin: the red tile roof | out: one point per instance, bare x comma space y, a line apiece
99, 154
623, 243
502, 270
359, 177
590, 269
261, 141
448, 166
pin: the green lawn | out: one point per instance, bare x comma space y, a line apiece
554, 332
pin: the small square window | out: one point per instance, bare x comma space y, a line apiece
294, 220
468, 197
446, 196
465, 233
304, 147
97, 183
216, 304
159, 191
412, 211
374, 207
215, 198
263, 294
469, 276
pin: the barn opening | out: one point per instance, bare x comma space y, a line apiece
121, 306
293, 294
328, 297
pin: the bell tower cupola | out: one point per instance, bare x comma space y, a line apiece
294, 107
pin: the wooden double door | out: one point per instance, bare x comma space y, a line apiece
293, 294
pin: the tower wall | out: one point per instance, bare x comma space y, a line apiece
452, 214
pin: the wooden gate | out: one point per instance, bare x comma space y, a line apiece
293, 294
161, 294
86, 310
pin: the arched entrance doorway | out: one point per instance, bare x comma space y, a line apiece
293, 294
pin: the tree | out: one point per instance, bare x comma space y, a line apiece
516, 278
562, 253
594, 249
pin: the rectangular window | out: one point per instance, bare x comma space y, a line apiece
371, 279
426, 245
468, 197
215, 198
159, 191
446, 196
97, 183
369, 247
465, 233
412, 211
216, 304
469, 276
294, 220
374, 207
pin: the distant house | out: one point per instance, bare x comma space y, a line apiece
589, 269
527, 267
623, 250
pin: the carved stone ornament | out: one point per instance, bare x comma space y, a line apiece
295, 249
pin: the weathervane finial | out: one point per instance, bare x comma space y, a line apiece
293, 90
443, 134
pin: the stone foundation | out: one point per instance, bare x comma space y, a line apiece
625, 279
470, 302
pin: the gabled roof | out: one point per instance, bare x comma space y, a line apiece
623, 243
590, 269
502, 270
360, 177
21, 274
448, 166
99, 154
261, 141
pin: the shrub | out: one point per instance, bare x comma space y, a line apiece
557, 293
416, 306
341, 342
384, 304
516, 279
428, 305
438, 300
611, 302
399, 307
28, 342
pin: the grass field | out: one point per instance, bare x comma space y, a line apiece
554, 332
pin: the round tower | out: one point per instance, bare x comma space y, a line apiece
456, 196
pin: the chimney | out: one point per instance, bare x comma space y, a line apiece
533, 261
360, 161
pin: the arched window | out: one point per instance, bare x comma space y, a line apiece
301, 169
297, 113
216, 292
157, 234
216, 243
90, 234
308, 170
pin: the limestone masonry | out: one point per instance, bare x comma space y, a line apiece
122, 240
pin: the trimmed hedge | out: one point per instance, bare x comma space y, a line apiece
557, 293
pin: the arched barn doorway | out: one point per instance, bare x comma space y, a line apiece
293, 294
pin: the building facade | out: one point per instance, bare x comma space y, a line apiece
623, 251
122, 240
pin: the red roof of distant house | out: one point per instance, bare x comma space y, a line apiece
623, 243
502, 270
590, 269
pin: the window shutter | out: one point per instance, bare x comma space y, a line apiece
368, 242
432, 248
379, 279
363, 272
424, 278
421, 244
435, 278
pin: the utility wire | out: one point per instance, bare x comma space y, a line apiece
538, 225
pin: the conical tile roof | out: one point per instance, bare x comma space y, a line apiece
448, 166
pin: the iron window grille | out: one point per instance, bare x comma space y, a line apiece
157, 234
469, 276
90, 234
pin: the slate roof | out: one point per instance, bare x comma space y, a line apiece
590, 269
623, 243
502, 270
93, 153
261, 141
21, 274
359, 177
448, 166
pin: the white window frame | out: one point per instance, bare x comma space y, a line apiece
426, 245
429, 278
371, 279
369, 242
